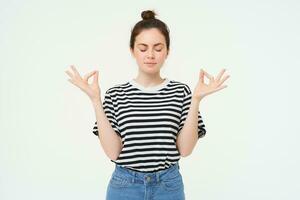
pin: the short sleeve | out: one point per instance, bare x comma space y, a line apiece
187, 97
110, 113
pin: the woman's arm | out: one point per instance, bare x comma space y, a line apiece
188, 135
109, 140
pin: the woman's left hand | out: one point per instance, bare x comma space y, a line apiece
215, 84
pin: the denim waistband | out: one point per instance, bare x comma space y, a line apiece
142, 177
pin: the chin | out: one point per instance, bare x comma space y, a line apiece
150, 71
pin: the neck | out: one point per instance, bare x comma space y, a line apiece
149, 80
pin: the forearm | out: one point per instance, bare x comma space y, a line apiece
110, 141
188, 135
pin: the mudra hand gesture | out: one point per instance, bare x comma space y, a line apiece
92, 90
215, 84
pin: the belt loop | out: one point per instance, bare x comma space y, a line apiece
157, 176
134, 176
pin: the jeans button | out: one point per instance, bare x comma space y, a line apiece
148, 178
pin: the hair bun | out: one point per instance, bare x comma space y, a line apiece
148, 14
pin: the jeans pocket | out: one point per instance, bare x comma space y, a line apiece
173, 184
119, 181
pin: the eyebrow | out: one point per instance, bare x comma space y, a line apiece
147, 45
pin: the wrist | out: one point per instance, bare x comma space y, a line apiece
196, 98
96, 102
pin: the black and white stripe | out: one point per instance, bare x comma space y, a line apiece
148, 122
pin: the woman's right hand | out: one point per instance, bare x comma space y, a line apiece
92, 90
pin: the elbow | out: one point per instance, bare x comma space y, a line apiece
112, 154
113, 157
185, 153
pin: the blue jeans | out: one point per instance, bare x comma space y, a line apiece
127, 184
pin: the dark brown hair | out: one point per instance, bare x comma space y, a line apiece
149, 21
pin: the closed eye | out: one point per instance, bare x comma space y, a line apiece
158, 50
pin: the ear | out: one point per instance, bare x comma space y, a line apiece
131, 52
167, 53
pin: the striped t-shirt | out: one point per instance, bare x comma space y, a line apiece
148, 120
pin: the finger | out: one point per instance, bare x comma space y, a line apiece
95, 80
70, 80
75, 70
224, 79
220, 74
69, 73
76, 83
88, 75
201, 76
210, 77
222, 87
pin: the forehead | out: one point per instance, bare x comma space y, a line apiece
150, 37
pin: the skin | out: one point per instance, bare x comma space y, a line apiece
150, 47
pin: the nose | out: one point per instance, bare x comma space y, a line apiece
150, 54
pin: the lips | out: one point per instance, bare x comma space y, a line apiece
150, 63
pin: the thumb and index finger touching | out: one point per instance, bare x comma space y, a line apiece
92, 73
203, 73
86, 76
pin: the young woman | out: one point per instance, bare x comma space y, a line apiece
146, 124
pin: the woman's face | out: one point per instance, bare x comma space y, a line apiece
150, 50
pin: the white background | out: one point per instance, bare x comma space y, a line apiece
47, 148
